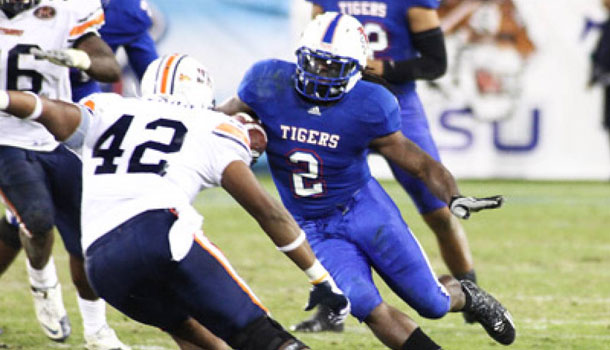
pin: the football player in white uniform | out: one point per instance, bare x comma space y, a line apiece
39, 179
145, 251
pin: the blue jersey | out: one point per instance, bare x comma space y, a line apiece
127, 24
126, 20
385, 23
317, 153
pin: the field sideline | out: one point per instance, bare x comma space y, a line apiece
545, 255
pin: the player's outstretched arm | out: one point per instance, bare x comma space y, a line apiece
239, 181
104, 66
60, 118
399, 149
232, 106
90, 54
439, 180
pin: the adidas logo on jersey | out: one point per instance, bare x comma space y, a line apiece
315, 110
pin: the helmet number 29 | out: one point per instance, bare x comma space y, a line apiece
378, 37
306, 180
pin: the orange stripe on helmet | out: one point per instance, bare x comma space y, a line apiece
235, 131
80, 29
165, 73
221, 260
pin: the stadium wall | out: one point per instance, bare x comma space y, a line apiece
502, 111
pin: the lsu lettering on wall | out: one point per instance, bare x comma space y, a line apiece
514, 102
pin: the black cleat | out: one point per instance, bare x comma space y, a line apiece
468, 317
486, 310
319, 322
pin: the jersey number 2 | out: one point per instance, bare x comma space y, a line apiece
306, 182
117, 132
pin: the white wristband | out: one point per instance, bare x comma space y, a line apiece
294, 244
5, 100
316, 273
37, 108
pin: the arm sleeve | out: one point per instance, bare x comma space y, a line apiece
321, 3
254, 89
431, 63
230, 143
89, 18
76, 141
382, 115
432, 4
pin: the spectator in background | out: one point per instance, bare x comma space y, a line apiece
600, 73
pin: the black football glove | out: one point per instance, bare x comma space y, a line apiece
326, 293
462, 206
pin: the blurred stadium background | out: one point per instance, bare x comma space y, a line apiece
514, 103
514, 106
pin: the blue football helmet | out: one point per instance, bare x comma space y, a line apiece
331, 57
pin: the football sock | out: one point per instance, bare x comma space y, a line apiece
93, 313
418, 340
470, 276
45, 278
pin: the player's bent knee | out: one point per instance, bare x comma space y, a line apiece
362, 304
9, 234
434, 309
38, 221
265, 334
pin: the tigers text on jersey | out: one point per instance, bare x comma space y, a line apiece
151, 153
317, 153
385, 23
51, 25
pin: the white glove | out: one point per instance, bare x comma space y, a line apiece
73, 58
463, 206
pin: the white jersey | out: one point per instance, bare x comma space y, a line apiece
150, 153
52, 25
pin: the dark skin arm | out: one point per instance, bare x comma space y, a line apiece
104, 66
239, 181
233, 105
60, 118
412, 159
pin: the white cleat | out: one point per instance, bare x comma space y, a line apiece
104, 339
50, 312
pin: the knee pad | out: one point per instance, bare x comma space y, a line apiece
38, 219
9, 234
265, 334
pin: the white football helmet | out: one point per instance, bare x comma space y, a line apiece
332, 54
181, 77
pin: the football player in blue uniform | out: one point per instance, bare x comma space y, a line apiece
321, 120
408, 44
127, 24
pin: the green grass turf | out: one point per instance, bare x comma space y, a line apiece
545, 255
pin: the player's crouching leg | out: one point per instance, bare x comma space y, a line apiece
265, 334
